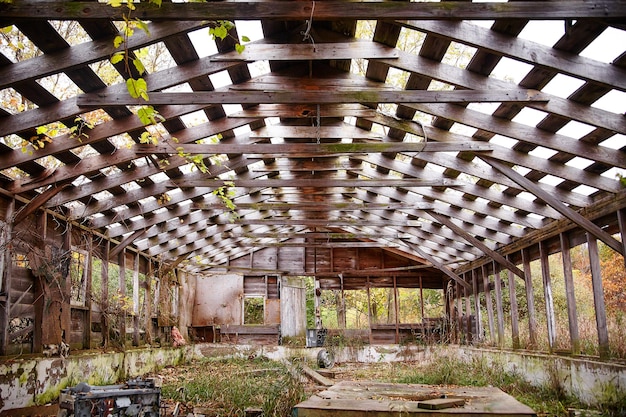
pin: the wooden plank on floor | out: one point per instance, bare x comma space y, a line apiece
348, 398
322, 380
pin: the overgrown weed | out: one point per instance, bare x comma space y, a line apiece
230, 386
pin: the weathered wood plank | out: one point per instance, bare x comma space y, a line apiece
86, 53
319, 182
105, 99
327, 132
306, 111
569, 294
598, 296
308, 51
327, 10
513, 47
319, 149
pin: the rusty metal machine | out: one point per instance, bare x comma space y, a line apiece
137, 397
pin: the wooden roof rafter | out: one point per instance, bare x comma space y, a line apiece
259, 142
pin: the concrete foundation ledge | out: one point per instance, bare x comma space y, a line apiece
30, 381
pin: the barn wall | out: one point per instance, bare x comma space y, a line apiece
218, 300
292, 307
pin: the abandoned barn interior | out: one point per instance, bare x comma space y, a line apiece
280, 173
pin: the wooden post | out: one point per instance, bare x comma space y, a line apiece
422, 310
64, 297
478, 314
88, 302
621, 221
499, 308
369, 312
396, 308
547, 294
104, 294
459, 312
569, 294
5, 276
121, 261
514, 311
468, 314
530, 301
489, 304
136, 300
316, 300
148, 305
598, 296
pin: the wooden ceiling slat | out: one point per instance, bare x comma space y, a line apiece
103, 99
327, 10
512, 47
307, 52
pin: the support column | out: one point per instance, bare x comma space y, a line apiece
598, 296
569, 294
547, 294
489, 304
530, 301
514, 311
5, 276
499, 307
121, 260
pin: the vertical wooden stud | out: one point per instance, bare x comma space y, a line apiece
136, 300
468, 314
105, 294
121, 261
488, 304
396, 308
5, 276
530, 301
598, 296
621, 221
514, 310
499, 307
478, 312
569, 294
369, 312
547, 294
88, 286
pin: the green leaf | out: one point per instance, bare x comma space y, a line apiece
245, 39
42, 130
239, 48
137, 88
148, 115
117, 57
139, 65
6, 30
117, 41
218, 32
114, 3
143, 26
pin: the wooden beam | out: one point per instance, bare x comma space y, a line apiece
344, 131
124, 243
309, 51
574, 216
37, 202
318, 183
312, 235
322, 97
326, 10
245, 243
313, 149
480, 245
440, 266
514, 310
321, 206
530, 301
544, 57
306, 111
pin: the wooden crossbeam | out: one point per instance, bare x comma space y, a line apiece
321, 97
319, 182
319, 149
321, 206
326, 10
574, 216
437, 264
308, 51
